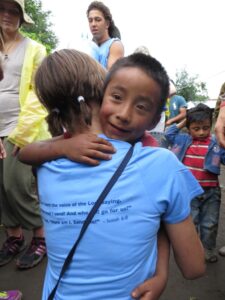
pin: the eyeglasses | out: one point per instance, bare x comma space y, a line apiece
10, 11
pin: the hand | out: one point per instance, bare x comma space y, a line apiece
87, 148
168, 123
2, 150
151, 289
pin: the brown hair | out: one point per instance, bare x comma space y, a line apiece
98, 5
62, 77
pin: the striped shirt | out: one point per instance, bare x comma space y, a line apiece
194, 159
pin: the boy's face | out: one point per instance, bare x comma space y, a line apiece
130, 105
200, 130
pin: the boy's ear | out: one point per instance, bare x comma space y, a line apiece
154, 122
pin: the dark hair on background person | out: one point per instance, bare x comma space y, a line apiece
150, 66
50, 88
198, 113
113, 30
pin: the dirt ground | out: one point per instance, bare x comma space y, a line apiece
209, 287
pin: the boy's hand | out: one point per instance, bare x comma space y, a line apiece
2, 150
87, 148
151, 289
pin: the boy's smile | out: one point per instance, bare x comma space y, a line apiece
130, 105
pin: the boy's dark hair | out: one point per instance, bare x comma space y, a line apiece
112, 30
150, 66
198, 113
62, 77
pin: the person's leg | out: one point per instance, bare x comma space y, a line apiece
14, 242
210, 221
23, 208
195, 211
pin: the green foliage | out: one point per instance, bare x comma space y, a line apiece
41, 30
190, 87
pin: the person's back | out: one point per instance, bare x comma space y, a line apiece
176, 102
119, 249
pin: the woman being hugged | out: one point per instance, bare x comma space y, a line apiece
21, 122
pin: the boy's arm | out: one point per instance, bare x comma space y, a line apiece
178, 118
181, 124
187, 248
172, 131
152, 288
85, 148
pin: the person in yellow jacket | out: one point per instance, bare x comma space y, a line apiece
22, 121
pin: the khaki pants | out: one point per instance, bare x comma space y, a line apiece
19, 202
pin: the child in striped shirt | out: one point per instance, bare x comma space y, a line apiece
201, 153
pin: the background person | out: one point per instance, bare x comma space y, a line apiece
177, 106
105, 34
200, 152
21, 122
220, 132
219, 101
12, 294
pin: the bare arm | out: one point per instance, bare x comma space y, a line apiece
220, 127
85, 148
116, 52
2, 150
187, 248
152, 288
181, 124
178, 118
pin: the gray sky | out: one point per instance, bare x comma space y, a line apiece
179, 33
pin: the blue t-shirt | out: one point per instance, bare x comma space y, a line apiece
119, 248
89, 47
175, 103
103, 51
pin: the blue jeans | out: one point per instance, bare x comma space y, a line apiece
205, 211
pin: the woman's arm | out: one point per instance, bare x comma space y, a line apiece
85, 148
187, 248
152, 288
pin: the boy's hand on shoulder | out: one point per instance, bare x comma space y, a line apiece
87, 148
151, 289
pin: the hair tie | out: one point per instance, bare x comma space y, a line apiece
55, 110
80, 98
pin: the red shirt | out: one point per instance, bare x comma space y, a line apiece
194, 160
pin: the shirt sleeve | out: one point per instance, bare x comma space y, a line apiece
184, 188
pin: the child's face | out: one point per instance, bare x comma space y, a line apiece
200, 130
130, 105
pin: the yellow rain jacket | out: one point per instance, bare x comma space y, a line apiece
31, 123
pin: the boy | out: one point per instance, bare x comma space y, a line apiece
200, 152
